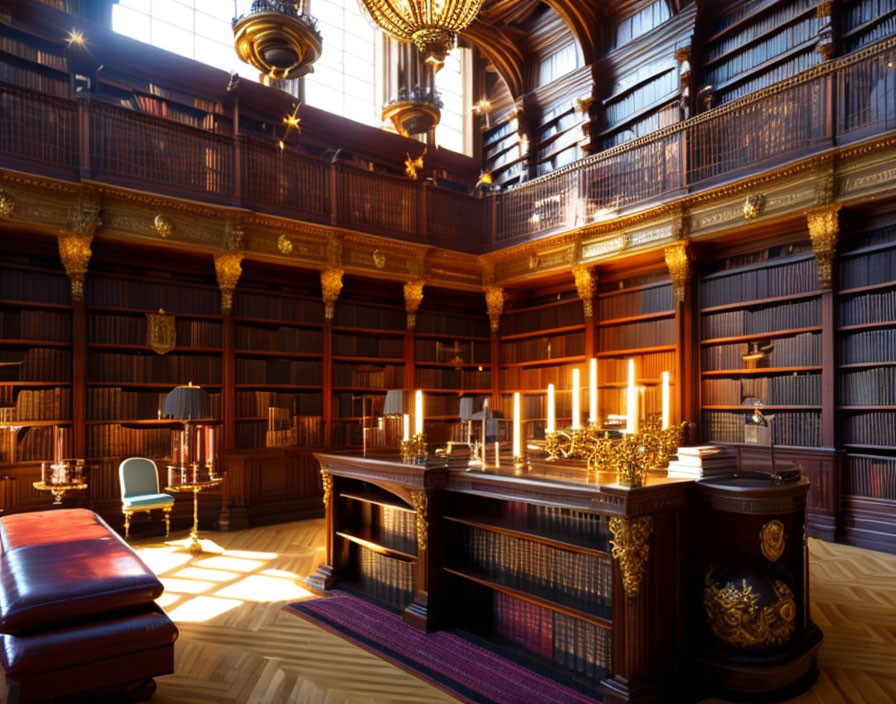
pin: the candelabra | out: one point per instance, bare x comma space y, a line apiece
413, 451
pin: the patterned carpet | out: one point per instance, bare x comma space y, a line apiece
237, 645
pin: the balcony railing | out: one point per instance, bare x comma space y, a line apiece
838, 102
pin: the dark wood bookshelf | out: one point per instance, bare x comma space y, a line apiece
365, 537
762, 301
517, 529
761, 335
761, 371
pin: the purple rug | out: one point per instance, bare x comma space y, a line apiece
447, 661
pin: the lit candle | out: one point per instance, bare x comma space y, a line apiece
592, 392
552, 411
497, 455
517, 427
576, 412
631, 421
406, 424
666, 417
418, 412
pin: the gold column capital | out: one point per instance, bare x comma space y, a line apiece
586, 281
680, 265
330, 287
7, 204
413, 297
631, 549
75, 253
228, 268
824, 230
494, 303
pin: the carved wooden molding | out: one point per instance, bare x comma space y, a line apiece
228, 268
7, 204
824, 229
327, 481
421, 506
413, 297
631, 549
330, 288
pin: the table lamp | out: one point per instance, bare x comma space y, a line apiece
187, 403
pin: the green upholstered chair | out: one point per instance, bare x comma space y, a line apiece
140, 491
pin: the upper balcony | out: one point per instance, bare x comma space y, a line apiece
838, 102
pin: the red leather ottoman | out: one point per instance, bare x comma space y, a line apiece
77, 612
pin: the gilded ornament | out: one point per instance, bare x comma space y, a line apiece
164, 225
228, 268
7, 204
326, 481
412, 166
772, 540
534, 261
284, 245
161, 332
494, 303
75, 252
234, 235
737, 619
334, 251
413, 297
824, 229
678, 261
753, 206
379, 259
421, 504
331, 287
84, 218
585, 288
824, 9
631, 549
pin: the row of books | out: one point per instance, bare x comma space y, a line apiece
44, 404
762, 320
35, 325
870, 428
798, 351
306, 432
346, 434
150, 296
559, 575
282, 339
26, 50
255, 404
113, 440
260, 305
647, 366
868, 346
646, 94
874, 477
757, 26
539, 377
39, 364
19, 285
278, 371
656, 299
867, 269
385, 579
12, 71
133, 330
551, 347
446, 324
868, 387
452, 379
364, 346
348, 315
469, 351
587, 527
754, 284
398, 529
702, 461
868, 308
561, 315
798, 428
775, 73
114, 403
153, 368
654, 333
872, 32
368, 376
29, 445
783, 390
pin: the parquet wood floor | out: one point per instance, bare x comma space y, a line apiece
236, 645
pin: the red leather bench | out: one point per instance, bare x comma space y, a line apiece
78, 619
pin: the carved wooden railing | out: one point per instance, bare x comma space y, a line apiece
835, 102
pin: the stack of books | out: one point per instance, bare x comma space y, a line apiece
702, 461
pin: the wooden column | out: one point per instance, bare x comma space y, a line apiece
331, 287
687, 368
413, 297
494, 303
228, 268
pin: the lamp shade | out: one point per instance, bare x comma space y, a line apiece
398, 402
187, 403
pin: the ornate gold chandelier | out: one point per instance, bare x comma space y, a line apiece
278, 37
430, 24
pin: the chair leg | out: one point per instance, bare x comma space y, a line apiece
167, 521
127, 524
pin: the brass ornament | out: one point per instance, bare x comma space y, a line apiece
280, 44
228, 268
284, 245
412, 165
7, 204
330, 287
84, 218
737, 619
379, 259
161, 332
824, 230
772, 540
631, 549
678, 261
327, 482
753, 206
494, 304
585, 287
413, 297
421, 506
164, 226
334, 251
75, 252
234, 235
